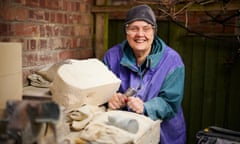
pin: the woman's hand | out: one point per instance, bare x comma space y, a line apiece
117, 101
135, 104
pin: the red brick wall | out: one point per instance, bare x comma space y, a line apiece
50, 30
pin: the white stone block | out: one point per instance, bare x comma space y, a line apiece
83, 82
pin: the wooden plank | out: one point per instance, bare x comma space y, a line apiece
187, 59
116, 38
110, 9
209, 95
196, 86
163, 31
101, 24
233, 116
222, 83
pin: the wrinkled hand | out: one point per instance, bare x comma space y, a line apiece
135, 104
117, 101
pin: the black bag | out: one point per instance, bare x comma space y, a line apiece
217, 135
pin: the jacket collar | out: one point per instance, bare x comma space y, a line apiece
152, 60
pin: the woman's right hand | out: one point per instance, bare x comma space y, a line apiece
117, 101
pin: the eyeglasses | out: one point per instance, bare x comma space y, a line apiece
135, 29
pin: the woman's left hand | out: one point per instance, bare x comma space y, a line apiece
135, 104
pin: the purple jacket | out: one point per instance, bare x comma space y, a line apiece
159, 83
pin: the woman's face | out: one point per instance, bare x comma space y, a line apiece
140, 35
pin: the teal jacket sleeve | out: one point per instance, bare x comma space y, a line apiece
168, 101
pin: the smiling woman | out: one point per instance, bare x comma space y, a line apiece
145, 63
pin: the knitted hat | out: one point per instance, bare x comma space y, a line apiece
141, 12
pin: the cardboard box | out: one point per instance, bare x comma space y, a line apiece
10, 72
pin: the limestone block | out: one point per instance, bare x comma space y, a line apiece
83, 82
103, 130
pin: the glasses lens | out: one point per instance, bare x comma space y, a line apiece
134, 29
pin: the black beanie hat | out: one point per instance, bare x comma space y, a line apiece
141, 12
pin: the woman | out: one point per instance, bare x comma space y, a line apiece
144, 62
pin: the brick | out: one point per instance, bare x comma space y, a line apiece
30, 59
13, 13
25, 45
61, 4
76, 43
70, 19
43, 3
69, 6
65, 19
33, 3
65, 5
85, 43
20, 29
42, 30
72, 7
46, 58
67, 31
85, 53
90, 1
55, 43
53, 4
63, 30
32, 45
5, 29
228, 29
84, 8
193, 19
40, 15
56, 30
77, 6
59, 18
85, 30
67, 43
86, 19
53, 17
66, 54
43, 44
76, 19
47, 16
37, 15
77, 30
48, 30
21, 1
